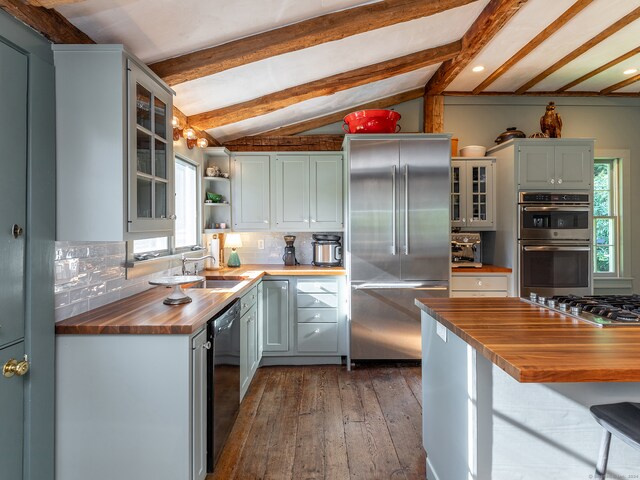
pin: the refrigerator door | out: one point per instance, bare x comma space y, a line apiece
385, 323
425, 166
373, 210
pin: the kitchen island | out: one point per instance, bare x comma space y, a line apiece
507, 386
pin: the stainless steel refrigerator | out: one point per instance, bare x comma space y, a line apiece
398, 238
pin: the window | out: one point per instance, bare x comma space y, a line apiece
186, 179
606, 217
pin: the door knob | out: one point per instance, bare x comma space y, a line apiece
14, 367
17, 230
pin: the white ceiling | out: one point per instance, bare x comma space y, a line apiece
157, 29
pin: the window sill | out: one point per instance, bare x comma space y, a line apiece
612, 285
141, 268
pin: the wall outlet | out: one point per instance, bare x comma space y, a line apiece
261, 244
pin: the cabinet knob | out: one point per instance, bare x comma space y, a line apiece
552, 181
559, 180
316, 301
16, 230
479, 283
313, 220
471, 219
207, 346
317, 330
284, 288
317, 315
306, 220
266, 221
14, 367
463, 219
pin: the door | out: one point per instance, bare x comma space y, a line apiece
13, 182
276, 315
326, 184
290, 190
458, 194
423, 223
199, 347
574, 167
536, 167
480, 194
373, 210
251, 192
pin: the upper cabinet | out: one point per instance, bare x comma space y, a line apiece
554, 166
472, 193
114, 146
250, 180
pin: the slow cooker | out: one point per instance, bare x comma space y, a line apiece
327, 251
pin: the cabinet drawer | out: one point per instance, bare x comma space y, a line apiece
248, 300
317, 300
478, 293
318, 286
318, 315
318, 338
479, 282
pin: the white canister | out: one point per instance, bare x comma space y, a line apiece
214, 251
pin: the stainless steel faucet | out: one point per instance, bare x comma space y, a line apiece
185, 260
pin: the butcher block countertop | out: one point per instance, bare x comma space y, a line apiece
486, 268
145, 313
533, 344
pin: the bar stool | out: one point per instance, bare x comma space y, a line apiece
621, 420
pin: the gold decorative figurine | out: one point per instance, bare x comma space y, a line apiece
550, 122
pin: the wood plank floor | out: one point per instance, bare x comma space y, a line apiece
322, 422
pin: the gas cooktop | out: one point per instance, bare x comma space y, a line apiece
599, 310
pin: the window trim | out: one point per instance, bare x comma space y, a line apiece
199, 201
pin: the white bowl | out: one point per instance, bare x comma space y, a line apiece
473, 151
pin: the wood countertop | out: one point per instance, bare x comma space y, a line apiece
533, 344
486, 268
145, 314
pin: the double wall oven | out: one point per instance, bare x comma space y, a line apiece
554, 239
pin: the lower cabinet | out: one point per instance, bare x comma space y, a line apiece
276, 311
249, 353
480, 285
199, 347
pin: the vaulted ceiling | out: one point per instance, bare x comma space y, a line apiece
247, 67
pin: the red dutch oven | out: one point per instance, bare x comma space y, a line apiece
372, 121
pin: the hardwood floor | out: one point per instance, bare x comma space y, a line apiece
322, 422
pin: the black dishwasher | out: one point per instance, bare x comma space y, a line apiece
223, 391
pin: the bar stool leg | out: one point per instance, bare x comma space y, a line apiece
603, 456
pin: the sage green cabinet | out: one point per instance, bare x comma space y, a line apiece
306, 192
249, 356
251, 187
12, 416
199, 348
276, 315
473, 193
552, 166
114, 146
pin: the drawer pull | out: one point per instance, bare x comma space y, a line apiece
317, 315
316, 300
317, 330
479, 283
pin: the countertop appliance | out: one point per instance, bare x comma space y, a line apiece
224, 379
289, 257
465, 250
327, 250
397, 238
554, 240
598, 310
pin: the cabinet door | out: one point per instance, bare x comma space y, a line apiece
11, 416
573, 167
199, 391
479, 180
252, 342
326, 205
244, 354
290, 192
536, 167
151, 164
458, 194
251, 192
259, 324
276, 315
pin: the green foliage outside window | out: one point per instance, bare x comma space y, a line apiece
604, 217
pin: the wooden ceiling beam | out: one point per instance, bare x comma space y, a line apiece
606, 33
305, 34
338, 116
326, 86
51, 3
561, 21
433, 113
494, 16
619, 85
540, 94
601, 69
184, 122
46, 21
286, 143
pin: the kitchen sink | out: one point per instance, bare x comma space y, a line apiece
224, 283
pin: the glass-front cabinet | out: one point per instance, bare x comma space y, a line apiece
472, 193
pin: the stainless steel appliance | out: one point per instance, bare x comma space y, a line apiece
224, 379
554, 240
327, 251
465, 250
398, 244
289, 257
599, 310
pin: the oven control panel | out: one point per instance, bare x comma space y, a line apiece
553, 197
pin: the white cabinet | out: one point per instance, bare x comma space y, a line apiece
114, 146
276, 311
250, 180
470, 284
199, 349
249, 355
554, 166
473, 193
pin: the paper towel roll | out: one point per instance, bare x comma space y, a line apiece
214, 250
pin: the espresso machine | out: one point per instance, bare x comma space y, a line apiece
289, 257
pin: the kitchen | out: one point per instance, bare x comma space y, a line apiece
473, 119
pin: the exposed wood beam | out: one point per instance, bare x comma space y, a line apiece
433, 113
46, 21
338, 116
619, 85
539, 94
606, 33
595, 72
290, 143
305, 34
325, 86
494, 16
533, 44
184, 122
51, 3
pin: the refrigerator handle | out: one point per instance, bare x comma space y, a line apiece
393, 210
406, 209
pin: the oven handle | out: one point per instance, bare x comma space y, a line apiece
557, 209
545, 248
